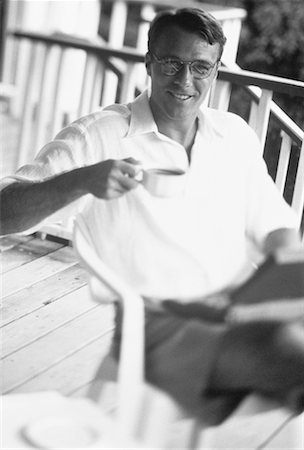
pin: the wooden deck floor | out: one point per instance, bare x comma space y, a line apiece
54, 335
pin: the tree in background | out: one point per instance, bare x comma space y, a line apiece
272, 42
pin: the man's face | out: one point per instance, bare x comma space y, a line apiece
179, 97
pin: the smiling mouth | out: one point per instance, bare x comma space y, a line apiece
181, 97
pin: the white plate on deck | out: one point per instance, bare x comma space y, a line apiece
60, 432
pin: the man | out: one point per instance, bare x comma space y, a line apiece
183, 247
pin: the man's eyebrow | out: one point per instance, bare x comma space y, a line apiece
203, 61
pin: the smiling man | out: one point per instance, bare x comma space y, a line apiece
183, 247
182, 67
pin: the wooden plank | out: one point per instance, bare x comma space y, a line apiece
27, 329
26, 252
71, 373
37, 270
34, 297
289, 436
44, 353
10, 241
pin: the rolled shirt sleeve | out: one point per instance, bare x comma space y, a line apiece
71, 148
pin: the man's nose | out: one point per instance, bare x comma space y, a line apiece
184, 75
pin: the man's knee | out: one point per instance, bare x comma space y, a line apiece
262, 355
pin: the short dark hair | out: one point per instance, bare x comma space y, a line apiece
194, 20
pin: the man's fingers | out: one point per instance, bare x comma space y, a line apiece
127, 183
132, 160
130, 167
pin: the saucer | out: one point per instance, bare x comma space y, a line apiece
60, 432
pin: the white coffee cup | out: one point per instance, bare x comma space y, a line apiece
163, 182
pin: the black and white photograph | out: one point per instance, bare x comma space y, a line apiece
152, 224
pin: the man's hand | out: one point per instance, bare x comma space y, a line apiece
111, 178
212, 308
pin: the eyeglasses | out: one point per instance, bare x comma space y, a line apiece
171, 66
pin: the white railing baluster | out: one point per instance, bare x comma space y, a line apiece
260, 119
25, 134
283, 162
128, 83
298, 193
109, 88
87, 85
46, 92
97, 85
220, 95
117, 29
253, 113
55, 122
118, 23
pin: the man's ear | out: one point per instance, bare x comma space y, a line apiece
148, 63
218, 65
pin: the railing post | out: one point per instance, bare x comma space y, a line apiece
97, 85
259, 116
128, 83
118, 23
298, 193
55, 118
220, 95
24, 137
232, 30
44, 101
283, 162
87, 85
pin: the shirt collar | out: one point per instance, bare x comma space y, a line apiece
142, 120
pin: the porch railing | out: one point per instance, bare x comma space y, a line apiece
47, 84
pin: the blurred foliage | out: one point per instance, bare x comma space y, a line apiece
272, 42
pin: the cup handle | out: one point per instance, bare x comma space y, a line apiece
139, 176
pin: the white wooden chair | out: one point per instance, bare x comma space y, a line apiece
148, 415
142, 411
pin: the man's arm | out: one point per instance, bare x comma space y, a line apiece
24, 204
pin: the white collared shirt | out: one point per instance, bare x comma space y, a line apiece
188, 245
